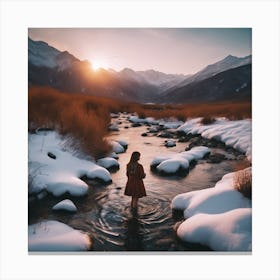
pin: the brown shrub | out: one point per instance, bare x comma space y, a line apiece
207, 120
243, 182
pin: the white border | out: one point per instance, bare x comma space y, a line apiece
262, 16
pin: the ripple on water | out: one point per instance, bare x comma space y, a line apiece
115, 225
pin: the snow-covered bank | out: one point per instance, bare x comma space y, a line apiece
237, 134
219, 217
53, 168
167, 124
56, 236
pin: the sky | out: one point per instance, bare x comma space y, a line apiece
169, 50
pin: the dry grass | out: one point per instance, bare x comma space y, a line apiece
243, 182
207, 120
232, 111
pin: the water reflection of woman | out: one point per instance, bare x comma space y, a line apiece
135, 186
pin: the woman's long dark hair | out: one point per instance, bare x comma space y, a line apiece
131, 166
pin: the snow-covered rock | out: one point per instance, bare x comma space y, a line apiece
108, 162
113, 155
170, 143
153, 129
113, 127
60, 184
177, 162
136, 119
117, 147
123, 143
66, 205
56, 236
219, 217
151, 121
237, 134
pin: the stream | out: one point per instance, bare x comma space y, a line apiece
105, 215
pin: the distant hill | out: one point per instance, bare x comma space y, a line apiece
230, 85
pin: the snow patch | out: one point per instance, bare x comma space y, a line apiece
56, 236
108, 162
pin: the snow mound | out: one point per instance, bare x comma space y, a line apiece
219, 217
62, 174
223, 197
66, 205
176, 162
229, 231
108, 163
113, 155
136, 119
153, 129
60, 184
117, 147
56, 236
236, 134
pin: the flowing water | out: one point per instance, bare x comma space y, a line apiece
105, 212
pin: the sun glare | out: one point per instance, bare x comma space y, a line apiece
98, 64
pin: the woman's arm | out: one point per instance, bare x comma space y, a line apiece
142, 174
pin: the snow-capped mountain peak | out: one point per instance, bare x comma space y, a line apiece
161, 80
42, 54
227, 63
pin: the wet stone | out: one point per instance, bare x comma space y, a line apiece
216, 158
136, 125
166, 134
51, 155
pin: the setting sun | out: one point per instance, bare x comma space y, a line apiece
97, 64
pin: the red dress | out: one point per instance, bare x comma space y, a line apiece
135, 186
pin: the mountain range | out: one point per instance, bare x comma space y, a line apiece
227, 79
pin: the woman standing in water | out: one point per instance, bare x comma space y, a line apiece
135, 186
